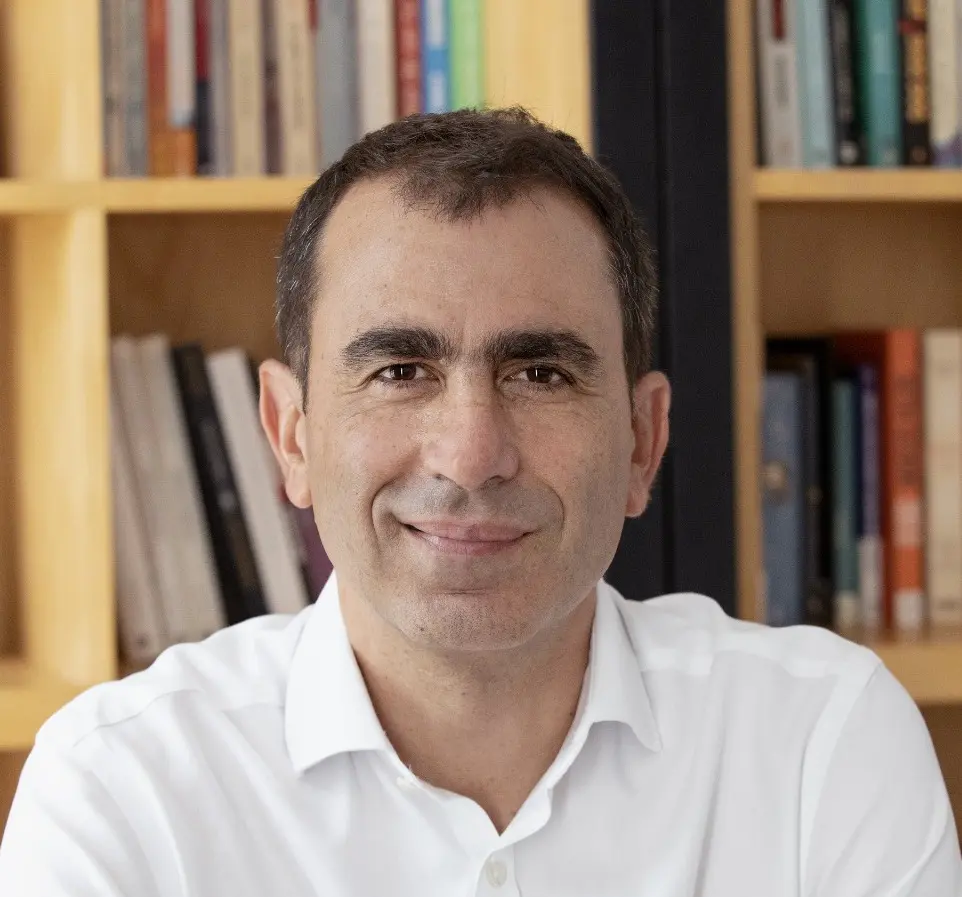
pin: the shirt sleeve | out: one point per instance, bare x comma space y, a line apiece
884, 826
67, 837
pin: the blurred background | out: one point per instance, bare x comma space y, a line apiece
798, 166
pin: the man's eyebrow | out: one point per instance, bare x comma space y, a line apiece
564, 346
380, 343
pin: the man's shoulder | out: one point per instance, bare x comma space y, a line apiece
689, 632
238, 666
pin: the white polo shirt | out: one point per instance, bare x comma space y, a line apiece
707, 757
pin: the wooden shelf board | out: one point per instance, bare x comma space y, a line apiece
268, 194
27, 699
19, 197
858, 185
931, 670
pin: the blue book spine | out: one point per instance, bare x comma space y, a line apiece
845, 496
881, 79
435, 56
783, 504
815, 84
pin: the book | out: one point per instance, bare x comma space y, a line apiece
812, 359
848, 122
204, 127
219, 82
896, 354
240, 584
112, 75
377, 87
435, 53
816, 102
135, 88
847, 609
181, 70
338, 95
945, 21
271, 538
942, 379
916, 106
868, 527
466, 22
778, 84
880, 80
407, 37
246, 89
783, 508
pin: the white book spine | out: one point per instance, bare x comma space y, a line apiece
141, 627
135, 404
338, 103
112, 52
778, 83
273, 545
944, 77
200, 597
181, 64
942, 384
246, 60
376, 64
295, 73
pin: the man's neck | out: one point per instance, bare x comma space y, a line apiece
487, 728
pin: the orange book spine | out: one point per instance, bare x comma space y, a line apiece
407, 35
159, 144
903, 480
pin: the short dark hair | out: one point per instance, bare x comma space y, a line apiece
458, 164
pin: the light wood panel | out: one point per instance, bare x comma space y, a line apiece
9, 616
865, 185
206, 277
63, 473
842, 266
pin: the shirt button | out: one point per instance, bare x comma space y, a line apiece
496, 873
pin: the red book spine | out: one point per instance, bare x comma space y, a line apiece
407, 34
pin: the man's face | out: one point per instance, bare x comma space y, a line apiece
469, 442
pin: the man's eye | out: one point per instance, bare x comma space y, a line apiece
542, 375
401, 373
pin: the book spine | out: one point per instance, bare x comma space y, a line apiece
161, 161
246, 91
942, 383
871, 567
434, 56
782, 499
916, 101
237, 570
339, 99
135, 87
467, 54
848, 126
781, 116
945, 64
220, 114
112, 61
202, 87
376, 65
844, 516
408, 38
272, 88
902, 481
876, 24
317, 74
815, 83
181, 87
295, 85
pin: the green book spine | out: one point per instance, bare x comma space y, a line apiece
844, 529
465, 18
881, 78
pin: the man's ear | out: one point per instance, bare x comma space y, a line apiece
651, 404
284, 422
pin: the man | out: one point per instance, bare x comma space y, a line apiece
465, 304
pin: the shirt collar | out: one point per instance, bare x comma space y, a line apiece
328, 709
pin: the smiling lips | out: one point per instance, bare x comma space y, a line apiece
466, 539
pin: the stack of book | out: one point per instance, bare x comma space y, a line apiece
860, 82
204, 534
862, 481
254, 87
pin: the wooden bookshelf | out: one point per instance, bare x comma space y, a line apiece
859, 186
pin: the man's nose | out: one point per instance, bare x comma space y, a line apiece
472, 441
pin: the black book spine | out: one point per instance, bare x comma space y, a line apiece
234, 556
916, 94
850, 146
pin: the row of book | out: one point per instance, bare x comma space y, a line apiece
204, 534
254, 87
860, 82
862, 480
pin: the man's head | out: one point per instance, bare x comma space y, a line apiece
467, 301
